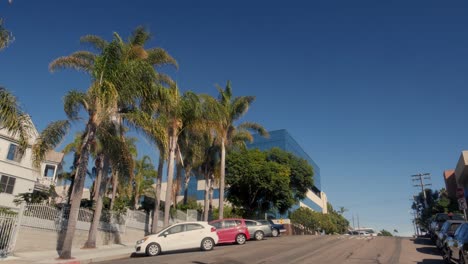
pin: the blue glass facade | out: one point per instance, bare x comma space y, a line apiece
281, 139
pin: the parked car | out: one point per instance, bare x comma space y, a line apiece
437, 222
276, 229
231, 230
447, 230
257, 229
456, 247
179, 236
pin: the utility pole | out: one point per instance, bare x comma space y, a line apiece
354, 228
419, 182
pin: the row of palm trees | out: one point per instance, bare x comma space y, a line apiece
190, 131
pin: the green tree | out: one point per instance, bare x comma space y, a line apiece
301, 171
256, 184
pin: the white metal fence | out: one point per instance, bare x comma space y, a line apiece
55, 219
8, 230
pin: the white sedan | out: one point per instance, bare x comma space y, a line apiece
179, 236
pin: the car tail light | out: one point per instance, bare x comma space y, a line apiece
213, 229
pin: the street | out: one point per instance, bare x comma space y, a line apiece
307, 249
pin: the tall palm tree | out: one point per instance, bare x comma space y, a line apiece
154, 128
230, 110
121, 75
111, 150
144, 178
117, 176
194, 133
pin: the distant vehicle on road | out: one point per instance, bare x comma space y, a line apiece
258, 230
179, 236
231, 230
367, 231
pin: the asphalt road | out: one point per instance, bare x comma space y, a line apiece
306, 249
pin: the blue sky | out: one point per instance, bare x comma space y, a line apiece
374, 91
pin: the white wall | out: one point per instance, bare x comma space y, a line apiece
22, 171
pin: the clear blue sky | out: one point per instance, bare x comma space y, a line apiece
374, 91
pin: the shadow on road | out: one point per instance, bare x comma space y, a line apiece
429, 250
431, 261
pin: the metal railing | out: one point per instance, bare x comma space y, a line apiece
8, 230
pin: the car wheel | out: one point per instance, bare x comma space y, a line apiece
259, 235
153, 249
275, 232
207, 244
240, 239
461, 259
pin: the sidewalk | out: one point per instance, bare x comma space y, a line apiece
80, 256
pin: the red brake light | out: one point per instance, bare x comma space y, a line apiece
213, 229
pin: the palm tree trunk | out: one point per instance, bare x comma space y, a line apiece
211, 195
221, 180
207, 197
186, 183
137, 196
65, 252
170, 177
157, 203
178, 183
115, 183
70, 189
101, 181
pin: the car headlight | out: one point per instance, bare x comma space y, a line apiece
141, 241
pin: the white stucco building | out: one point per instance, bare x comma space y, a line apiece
17, 174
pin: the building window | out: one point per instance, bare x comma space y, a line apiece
49, 171
14, 154
7, 184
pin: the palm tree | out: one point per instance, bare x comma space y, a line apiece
154, 128
230, 110
5, 36
144, 178
121, 75
117, 176
111, 150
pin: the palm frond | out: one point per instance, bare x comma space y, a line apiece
5, 36
96, 41
73, 102
164, 79
13, 119
72, 62
240, 106
160, 57
139, 36
254, 127
49, 138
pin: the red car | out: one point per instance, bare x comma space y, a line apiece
231, 230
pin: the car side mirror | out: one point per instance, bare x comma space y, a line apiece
165, 234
